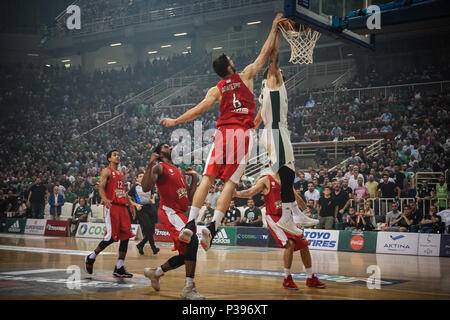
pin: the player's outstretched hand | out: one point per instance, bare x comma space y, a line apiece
277, 19
107, 203
168, 122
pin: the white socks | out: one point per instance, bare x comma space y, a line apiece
189, 281
309, 272
159, 271
218, 216
286, 212
287, 272
119, 263
93, 255
295, 208
193, 213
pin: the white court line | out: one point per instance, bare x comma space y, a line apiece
25, 236
18, 273
47, 250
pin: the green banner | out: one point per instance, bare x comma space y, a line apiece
15, 225
357, 241
225, 236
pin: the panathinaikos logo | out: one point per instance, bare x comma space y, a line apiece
225, 236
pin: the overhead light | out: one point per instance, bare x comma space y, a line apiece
349, 54
33, 55
180, 34
115, 44
217, 48
188, 47
169, 8
254, 22
112, 62
185, 52
67, 60
166, 46
152, 52
67, 65
48, 66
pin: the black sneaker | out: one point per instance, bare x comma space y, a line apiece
140, 249
89, 264
155, 251
121, 273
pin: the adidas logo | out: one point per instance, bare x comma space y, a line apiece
15, 227
222, 237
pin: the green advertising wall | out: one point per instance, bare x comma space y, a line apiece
360, 241
226, 236
15, 225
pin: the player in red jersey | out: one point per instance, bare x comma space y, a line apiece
173, 203
117, 220
270, 186
234, 138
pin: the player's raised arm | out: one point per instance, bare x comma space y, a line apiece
193, 186
104, 178
212, 96
151, 174
274, 64
251, 70
257, 188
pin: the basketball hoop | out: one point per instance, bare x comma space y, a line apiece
301, 39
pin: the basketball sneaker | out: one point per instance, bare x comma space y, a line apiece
208, 234
190, 293
140, 249
302, 220
288, 225
89, 264
121, 273
314, 282
288, 283
151, 274
155, 250
186, 234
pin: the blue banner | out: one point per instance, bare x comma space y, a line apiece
445, 245
252, 236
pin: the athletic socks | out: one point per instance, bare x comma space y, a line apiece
218, 216
193, 213
120, 263
189, 281
309, 272
93, 255
159, 271
295, 208
287, 272
286, 211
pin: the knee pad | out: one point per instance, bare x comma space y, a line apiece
287, 177
176, 261
192, 248
123, 247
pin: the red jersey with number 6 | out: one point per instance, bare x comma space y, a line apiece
172, 188
115, 188
237, 106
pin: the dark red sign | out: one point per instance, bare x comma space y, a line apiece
162, 233
57, 228
357, 242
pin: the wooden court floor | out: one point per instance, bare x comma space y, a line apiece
35, 267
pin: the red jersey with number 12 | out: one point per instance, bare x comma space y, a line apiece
115, 188
172, 188
237, 106
273, 198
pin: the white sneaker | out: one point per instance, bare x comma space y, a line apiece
185, 235
302, 220
206, 239
190, 293
289, 226
151, 274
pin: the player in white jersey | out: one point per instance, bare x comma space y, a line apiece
277, 141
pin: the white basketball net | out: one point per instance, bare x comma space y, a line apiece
302, 43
